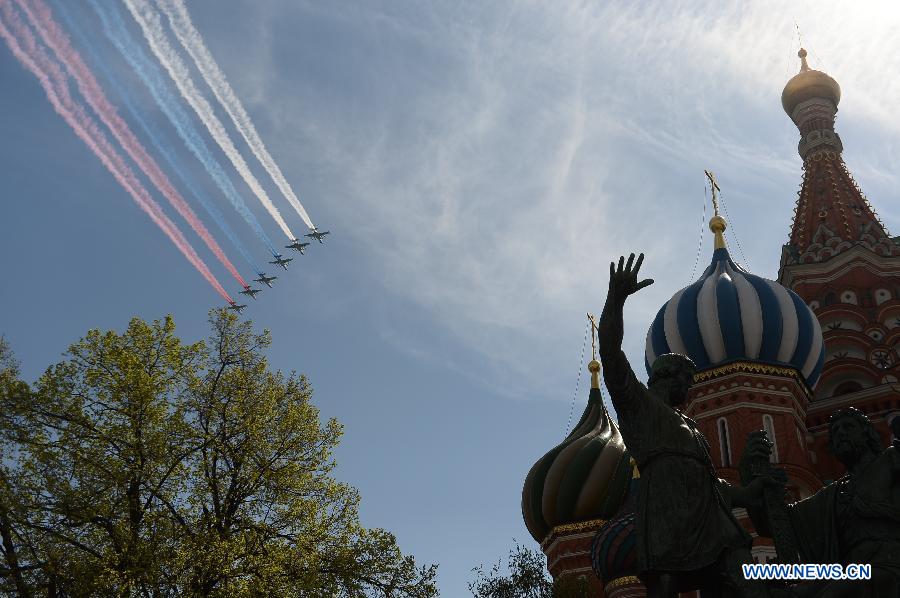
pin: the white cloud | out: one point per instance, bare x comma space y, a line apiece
503, 155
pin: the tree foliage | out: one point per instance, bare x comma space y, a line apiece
144, 466
524, 576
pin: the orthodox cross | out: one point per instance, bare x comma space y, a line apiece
594, 328
715, 187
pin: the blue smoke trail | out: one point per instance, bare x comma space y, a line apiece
118, 34
153, 134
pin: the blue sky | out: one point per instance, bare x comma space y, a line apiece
478, 164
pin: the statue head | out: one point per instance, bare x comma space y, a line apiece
672, 375
852, 435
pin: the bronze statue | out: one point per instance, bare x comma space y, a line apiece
856, 519
687, 537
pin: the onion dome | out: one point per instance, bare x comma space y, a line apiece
731, 315
808, 84
584, 478
613, 551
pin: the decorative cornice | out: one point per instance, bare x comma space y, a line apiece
834, 268
555, 534
579, 526
830, 404
621, 581
749, 367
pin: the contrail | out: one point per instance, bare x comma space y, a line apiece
150, 24
153, 78
53, 80
192, 41
40, 17
152, 132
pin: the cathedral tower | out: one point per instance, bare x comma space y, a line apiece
841, 260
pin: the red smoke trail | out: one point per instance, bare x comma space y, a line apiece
53, 81
41, 18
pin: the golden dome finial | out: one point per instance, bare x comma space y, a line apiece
594, 365
804, 66
717, 224
806, 85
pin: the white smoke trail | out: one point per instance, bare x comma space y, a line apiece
149, 20
192, 41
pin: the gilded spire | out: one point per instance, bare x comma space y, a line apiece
717, 224
803, 64
594, 365
810, 85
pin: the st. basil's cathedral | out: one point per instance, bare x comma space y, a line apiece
774, 356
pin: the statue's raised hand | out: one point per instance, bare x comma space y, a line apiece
623, 279
755, 460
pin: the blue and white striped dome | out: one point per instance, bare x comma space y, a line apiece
731, 315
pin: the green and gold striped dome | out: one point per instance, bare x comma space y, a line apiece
582, 479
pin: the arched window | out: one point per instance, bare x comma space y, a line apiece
724, 442
769, 427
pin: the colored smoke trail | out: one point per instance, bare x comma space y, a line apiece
40, 17
153, 78
192, 41
149, 21
53, 80
151, 132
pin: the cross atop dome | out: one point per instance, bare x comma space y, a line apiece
717, 224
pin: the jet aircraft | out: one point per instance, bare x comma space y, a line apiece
236, 307
317, 235
296, 244
266, 280
281, 261
250, 292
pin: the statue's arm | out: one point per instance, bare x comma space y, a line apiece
728, 493
617, 373
748, 496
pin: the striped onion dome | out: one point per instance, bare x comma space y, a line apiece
582, 479
731, 315
613, 551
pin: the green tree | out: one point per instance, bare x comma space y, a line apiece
524, 576
15, 566
150, 467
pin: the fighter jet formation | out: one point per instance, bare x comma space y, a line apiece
52, 52
280, 260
